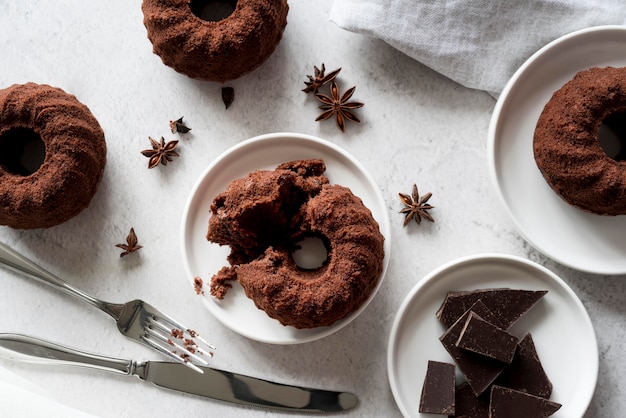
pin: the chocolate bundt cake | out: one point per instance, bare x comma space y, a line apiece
196, 39
52, 156
264, 216
567, 147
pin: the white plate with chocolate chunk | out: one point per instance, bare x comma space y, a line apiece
204, 259
562, 334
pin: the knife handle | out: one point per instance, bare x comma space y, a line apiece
33, 350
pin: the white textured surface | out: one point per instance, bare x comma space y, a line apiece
417, 127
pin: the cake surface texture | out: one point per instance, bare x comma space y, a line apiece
566, 142
219, 50
263, 217
47, 124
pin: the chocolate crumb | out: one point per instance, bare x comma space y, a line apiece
197, 285
177, 333
190, 345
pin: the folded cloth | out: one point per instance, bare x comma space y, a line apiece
21, 398
477, 43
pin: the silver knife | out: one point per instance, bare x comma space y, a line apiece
213, 383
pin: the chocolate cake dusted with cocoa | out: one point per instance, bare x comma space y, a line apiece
214, 45
52, 156
263, 217
567, 146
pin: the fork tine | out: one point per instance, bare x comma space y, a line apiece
162, 332
172, 355
162, 318
195, 347
189, 347
197, 336
174, 349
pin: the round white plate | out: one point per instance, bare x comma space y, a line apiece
560, 326
577, 239
203, 259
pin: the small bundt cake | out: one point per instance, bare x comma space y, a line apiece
264, 216
191, 40
52, 156
567, 146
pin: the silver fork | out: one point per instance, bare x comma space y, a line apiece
135, 319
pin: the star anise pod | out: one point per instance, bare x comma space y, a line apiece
160, 152
319, 79
178, 126
131, 244
416, 207
338, 106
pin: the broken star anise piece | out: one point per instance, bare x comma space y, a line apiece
319, 79
339, 106
131, 244
178, 126
416, 207
160, 152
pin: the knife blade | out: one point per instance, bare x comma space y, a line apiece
212, 383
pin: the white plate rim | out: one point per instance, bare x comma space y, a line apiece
576, 262
382, 217
437, 274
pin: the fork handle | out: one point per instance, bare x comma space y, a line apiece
15, 261
33, 350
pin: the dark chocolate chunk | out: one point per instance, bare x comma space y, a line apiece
482, 337
510, 403
509, 305
479, 371
438, 390
467, 404
525, 373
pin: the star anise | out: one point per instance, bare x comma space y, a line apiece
416, 207
131, 244
319, 79
160, 152
178, 126
338, 106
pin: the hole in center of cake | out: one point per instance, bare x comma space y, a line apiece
612, 136
22, 151
213, 10
311, 253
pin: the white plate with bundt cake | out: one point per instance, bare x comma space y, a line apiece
285, 238
575, 155
561, 333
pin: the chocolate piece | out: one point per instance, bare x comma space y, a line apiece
525, 373
482, 337
507, 304
479, 371
438, 390
467, 404
510, 403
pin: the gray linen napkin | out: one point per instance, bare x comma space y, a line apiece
477, 43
